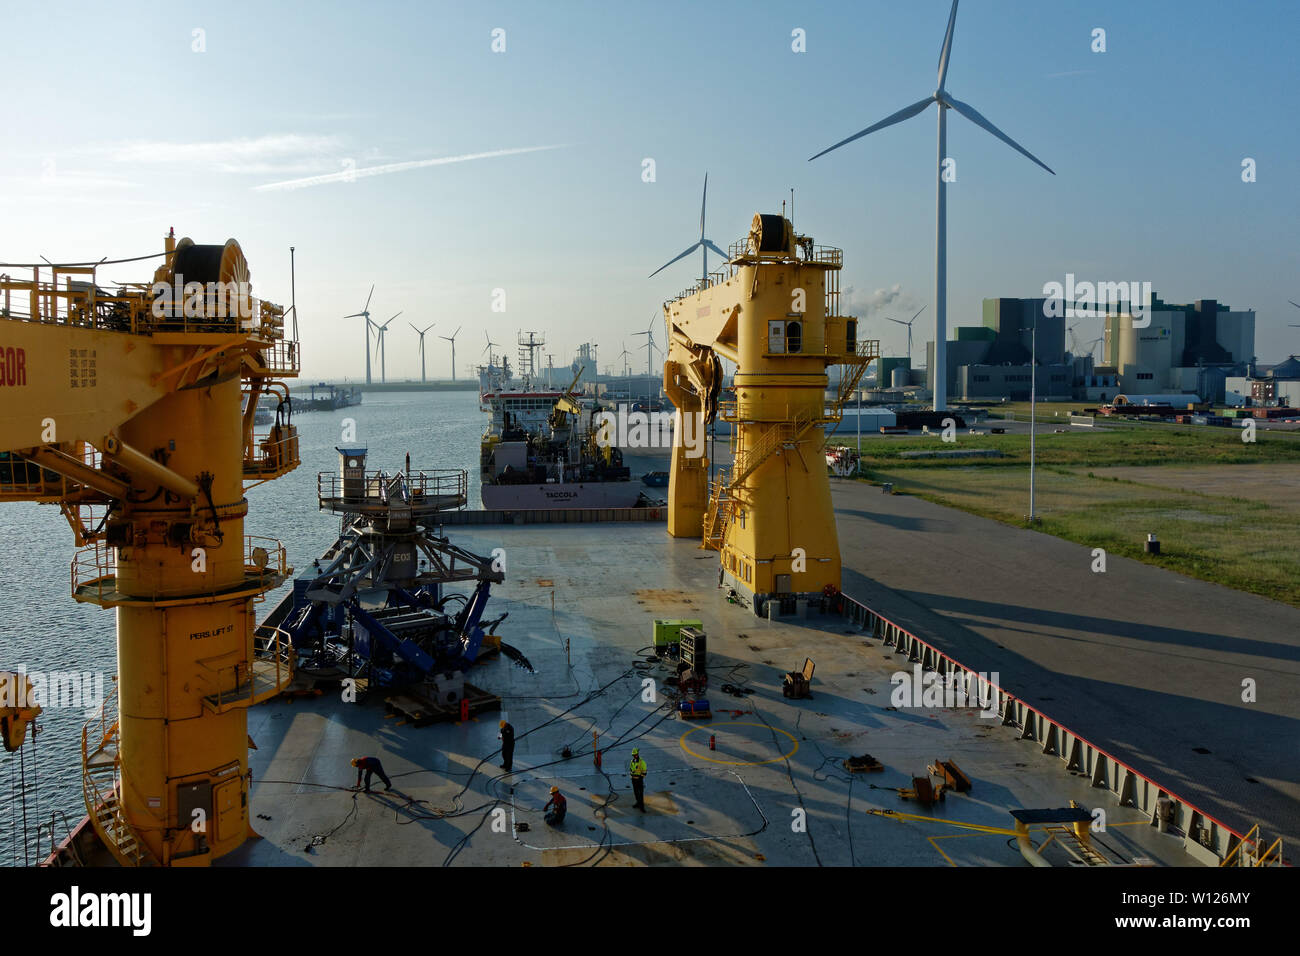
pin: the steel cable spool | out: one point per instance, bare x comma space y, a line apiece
214, 263
768, 233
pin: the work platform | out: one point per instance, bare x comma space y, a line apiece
771, 791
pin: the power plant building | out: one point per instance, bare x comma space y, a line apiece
1180, 348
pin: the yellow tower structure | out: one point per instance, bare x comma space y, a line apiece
774, 312
133, 410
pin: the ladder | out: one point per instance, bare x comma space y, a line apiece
718, 515
781, 433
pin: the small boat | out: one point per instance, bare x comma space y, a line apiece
655, 479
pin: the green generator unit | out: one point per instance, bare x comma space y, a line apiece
666, 631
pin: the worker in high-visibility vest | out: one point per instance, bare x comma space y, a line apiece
637, 769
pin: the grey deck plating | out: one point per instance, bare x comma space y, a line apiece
740, 804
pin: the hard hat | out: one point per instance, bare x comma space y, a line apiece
502, 724
355, 761
635, 751
555, 789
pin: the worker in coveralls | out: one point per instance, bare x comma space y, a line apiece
556, 807
369, 765
507, 738
637, 769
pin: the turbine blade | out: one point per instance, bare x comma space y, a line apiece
399, 313
898, 321
907, 112
415, 330
1293, 302
918, 312
709, 245
674, 259
457, 332
354, 315
972, 114
372, 292
946, 51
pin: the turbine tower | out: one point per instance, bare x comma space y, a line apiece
420, 333
704, 245
381, 351
365, 313
908, 323
946, 102
452, 339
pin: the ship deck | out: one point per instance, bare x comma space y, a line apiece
778, 761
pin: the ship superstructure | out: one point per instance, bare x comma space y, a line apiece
544, 448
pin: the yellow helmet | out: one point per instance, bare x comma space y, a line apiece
355, 761
502, 725
555, 789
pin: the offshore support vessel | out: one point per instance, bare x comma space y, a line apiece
133, 410
774, 312
542, 447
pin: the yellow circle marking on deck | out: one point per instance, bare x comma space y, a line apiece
739, 763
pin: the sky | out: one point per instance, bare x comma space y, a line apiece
123, 120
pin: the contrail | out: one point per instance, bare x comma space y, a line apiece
348, 175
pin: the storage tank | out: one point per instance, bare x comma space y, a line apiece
900, 377
1145, 354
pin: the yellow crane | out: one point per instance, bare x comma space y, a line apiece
132, 409
774, 313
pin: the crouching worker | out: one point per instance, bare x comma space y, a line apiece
556, 808
368, 766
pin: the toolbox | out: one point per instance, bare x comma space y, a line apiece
798, 684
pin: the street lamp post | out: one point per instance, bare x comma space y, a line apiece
1033, 396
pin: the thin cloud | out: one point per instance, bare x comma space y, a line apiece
244, 150
349, 175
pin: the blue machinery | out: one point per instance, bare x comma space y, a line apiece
375, 598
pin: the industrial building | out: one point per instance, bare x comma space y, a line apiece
992, 361
1191, 350
1279, 386
1187, 349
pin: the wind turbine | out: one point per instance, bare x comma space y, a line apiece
365, 313
452, 339
1297, 305
946, 102
704, 245
381, 351
420, 333
489, 347
650, 343
908, 323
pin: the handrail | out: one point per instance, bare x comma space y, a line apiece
277, 651
94, 568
